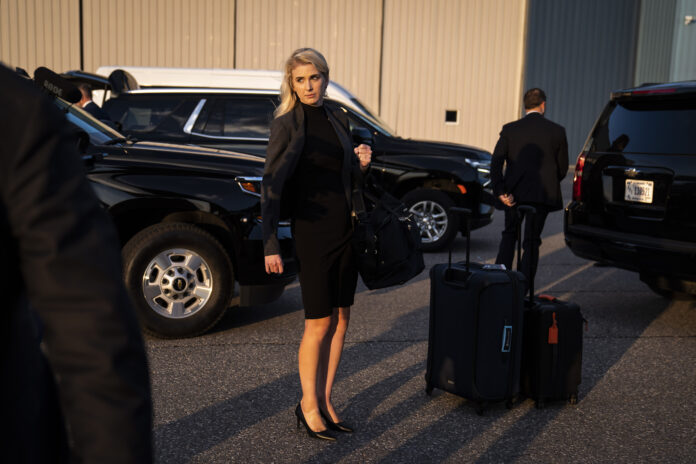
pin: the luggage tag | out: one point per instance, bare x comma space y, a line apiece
553, 332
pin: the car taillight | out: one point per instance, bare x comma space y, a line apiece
577, 179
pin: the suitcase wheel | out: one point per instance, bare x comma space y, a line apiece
428, 390
573, 399
479, 408
539, 404
509, 403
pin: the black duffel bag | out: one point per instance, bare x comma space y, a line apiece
386, 241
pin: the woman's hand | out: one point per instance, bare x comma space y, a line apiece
364, 154
274, 264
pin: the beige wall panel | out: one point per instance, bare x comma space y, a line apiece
37, 33
347, 33
173, 33
464, 55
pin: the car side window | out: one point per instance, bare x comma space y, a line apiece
236, 117
357, 122
153, 114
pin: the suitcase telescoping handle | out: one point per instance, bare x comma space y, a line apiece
524, 212
466, 212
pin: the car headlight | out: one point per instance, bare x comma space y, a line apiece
484, 171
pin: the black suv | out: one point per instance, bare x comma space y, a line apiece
189, 221
429, 176
634, 191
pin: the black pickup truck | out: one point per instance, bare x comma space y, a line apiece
189, 222
634, 191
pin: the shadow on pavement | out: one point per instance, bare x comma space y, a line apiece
499, 436
181, 440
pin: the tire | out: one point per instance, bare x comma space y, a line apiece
671, 289
179, 277
430, 208
671, 294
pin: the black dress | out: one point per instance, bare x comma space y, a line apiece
321, 220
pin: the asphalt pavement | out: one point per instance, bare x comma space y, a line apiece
229, 396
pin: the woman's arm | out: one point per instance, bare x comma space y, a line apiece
272, 185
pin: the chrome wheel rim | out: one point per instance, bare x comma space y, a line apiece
431, 218
177, 283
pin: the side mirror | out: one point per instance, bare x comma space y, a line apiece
362, 135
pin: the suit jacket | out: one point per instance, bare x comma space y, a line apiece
94, 109
285, 147
75, 382
535, 152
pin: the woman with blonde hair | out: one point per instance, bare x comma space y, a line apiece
310, 161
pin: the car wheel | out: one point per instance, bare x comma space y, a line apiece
671, 294
430, 208
179, 277
671, 289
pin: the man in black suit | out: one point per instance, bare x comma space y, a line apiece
75, 384
529, 162
89, 106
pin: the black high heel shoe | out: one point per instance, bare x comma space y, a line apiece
337, 426
323, 434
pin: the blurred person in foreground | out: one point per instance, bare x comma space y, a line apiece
75, 384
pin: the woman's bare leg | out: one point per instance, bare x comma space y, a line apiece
331, 358
309, 356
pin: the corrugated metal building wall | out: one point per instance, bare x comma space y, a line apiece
654, 57
463, 55
37, 33
578, 52
172, 33
684, 48
411, 60
348, 34
452, 55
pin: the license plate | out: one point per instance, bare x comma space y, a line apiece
639, 190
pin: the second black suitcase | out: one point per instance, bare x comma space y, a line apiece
475, 339
552, 345
552, 350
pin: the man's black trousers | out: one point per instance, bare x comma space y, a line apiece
530, 243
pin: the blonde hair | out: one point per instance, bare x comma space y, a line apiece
288, 98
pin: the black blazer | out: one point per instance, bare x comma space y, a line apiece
536, 152
285, 147
71, 352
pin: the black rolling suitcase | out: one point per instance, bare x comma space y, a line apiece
552, 349
475, 340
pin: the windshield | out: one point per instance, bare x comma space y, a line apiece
98, 132
647, 126
373, 118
